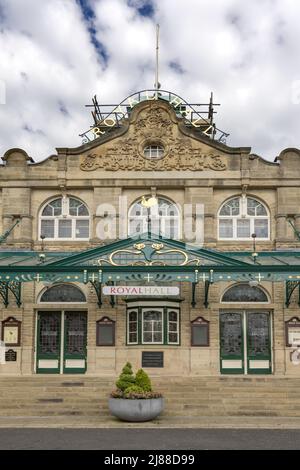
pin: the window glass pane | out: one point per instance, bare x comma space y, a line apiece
244, 293
47, 228
132, 327
82, 229
132, 316
63, 293
173, 316
225, 228
172, 326
157, 337
173, 338
231, 207
48, 210
152, 326
57, 207
152, 315
82, 210
147, 337
132, 337
243, 228
65, 228
254, 207
261, 228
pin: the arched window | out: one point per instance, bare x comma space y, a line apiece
240, 217
63, 293
244, 293
161, 218
65, 218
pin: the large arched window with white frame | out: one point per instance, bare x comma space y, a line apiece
240, 217
64, 218
162, 218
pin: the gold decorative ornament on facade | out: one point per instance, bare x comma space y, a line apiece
144, 255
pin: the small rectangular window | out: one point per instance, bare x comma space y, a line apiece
173, 327
132, 321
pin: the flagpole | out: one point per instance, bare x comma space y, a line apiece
156, 68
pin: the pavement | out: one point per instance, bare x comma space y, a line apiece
155, 440
163, 422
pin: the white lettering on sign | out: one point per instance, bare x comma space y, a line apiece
121, 111
140, 290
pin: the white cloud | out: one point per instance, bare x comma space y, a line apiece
247, 53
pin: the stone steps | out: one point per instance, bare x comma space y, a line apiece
184, 396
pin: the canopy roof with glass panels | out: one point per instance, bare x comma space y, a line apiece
135, 258
143, 260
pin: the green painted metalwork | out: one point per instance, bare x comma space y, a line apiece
10, 286
8, 232
297, 232
206, 291
290, 286
26, 266
4, 293
97, 287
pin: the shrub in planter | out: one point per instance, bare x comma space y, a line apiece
126, 378
142, 380
136, 401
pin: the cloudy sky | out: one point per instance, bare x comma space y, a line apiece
56, 54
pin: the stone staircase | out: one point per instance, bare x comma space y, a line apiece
45, 395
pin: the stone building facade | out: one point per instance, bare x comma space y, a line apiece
61, 204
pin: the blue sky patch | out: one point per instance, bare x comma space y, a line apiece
89, 17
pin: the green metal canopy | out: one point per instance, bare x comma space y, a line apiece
137, 258
146, 259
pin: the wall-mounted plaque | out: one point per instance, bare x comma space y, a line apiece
292, 332
200, 332
10, 355
105, 332
152, 359
11, 332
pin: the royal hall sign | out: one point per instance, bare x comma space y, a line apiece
107, 117
140, 290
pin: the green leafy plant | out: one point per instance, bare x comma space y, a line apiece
134, 387
143, 381
126, 378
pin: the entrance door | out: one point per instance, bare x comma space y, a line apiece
75, 327
232, 343
258, 343
245, 343
61, 342
48, 342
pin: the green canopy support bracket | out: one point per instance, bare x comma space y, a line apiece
112, 297
290, 286
14, 287
206, 291
4, 293
98, 286
194, 302
297, 232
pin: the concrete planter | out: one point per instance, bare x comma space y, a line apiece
136, 410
